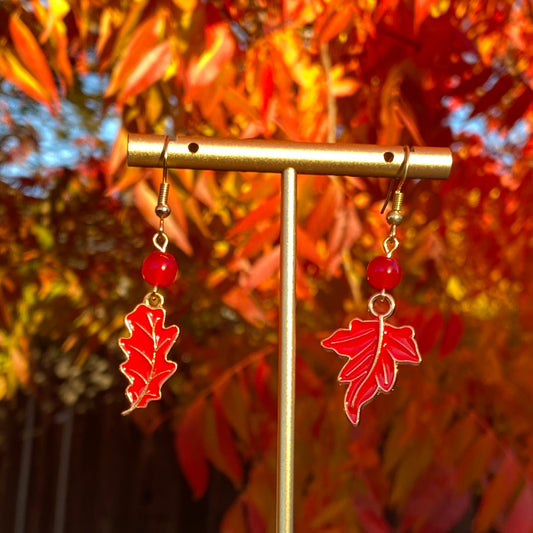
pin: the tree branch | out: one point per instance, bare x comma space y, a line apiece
331, 102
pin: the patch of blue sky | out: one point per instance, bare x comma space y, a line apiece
501, 144
60, 139
109, 128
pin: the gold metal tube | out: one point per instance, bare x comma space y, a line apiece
257, 155
287, 354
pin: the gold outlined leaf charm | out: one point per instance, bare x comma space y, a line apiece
374, 350
146, 350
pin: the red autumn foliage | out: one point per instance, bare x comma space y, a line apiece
451, 447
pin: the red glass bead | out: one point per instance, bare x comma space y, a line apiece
383, 273
160, 269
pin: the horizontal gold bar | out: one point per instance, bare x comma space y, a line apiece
256, 155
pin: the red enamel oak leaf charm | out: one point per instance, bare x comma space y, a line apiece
374, 350
147, 366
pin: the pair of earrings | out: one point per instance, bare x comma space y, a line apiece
373, 347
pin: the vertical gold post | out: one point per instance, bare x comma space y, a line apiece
287, 353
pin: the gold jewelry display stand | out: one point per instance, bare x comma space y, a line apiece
289, 159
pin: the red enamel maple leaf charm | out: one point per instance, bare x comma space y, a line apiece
147, 366
374, 350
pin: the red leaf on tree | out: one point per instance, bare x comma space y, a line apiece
266, 82
422, 10
33, 58
147, 366
337, 24
520, 519
144, 38
190, 448
452, 335
219, 49
374, 349
151, 67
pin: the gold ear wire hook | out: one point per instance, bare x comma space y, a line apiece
404, 167
162, 210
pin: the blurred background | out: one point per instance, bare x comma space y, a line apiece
449, 450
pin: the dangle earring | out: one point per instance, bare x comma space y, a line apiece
373, 347
149, 343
